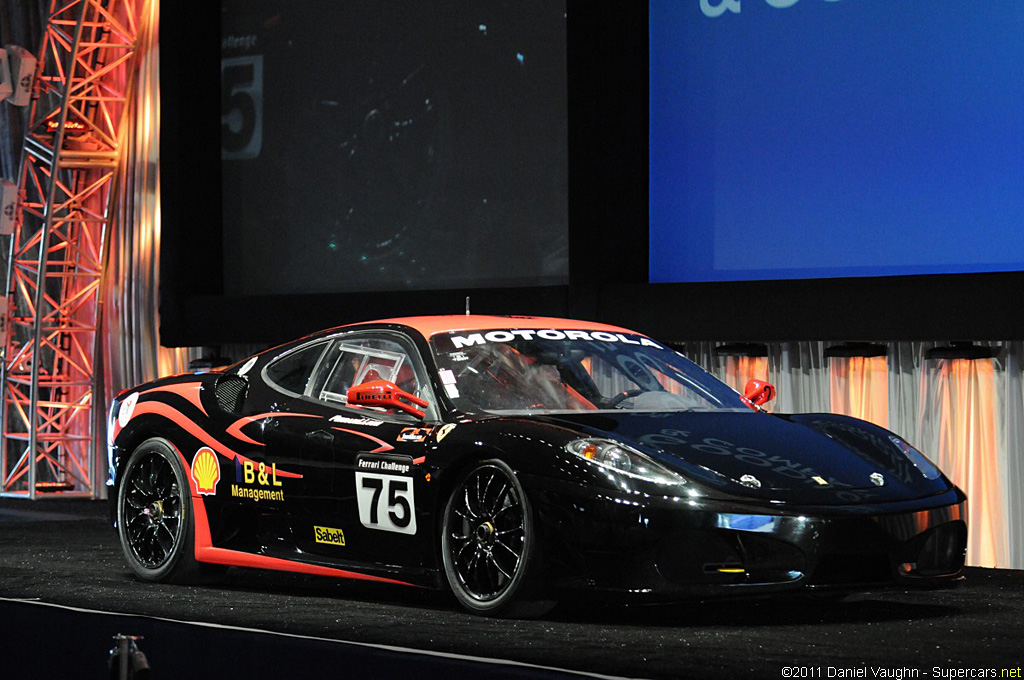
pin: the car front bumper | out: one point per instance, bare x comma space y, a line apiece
666, 548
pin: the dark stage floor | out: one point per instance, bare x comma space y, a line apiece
63, 552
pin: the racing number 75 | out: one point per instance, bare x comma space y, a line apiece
386, 502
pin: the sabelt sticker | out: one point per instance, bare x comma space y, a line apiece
205, 471
329, 535
124, 414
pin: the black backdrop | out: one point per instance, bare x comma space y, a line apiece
608, 242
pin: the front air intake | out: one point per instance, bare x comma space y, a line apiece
943, 551
230, 392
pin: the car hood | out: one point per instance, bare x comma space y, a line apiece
807, 458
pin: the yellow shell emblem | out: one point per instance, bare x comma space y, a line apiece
205, 471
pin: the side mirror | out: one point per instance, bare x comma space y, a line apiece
385, 394
758, 392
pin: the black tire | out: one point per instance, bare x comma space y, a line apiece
154, 516
489, 545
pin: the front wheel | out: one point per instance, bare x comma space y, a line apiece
154, 515
489, 544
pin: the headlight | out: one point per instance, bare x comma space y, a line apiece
622, 459
923, 465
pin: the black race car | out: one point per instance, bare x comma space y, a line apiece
516, 460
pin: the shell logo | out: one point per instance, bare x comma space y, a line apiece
205, 471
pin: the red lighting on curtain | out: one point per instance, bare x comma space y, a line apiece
859, 387
962, 401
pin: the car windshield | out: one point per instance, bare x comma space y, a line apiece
554, 370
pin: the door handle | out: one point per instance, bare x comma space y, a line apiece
320, 436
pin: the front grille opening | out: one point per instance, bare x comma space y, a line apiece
839, 569
943, 550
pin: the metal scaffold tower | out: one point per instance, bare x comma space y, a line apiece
67, 184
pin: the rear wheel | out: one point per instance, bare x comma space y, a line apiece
489, 544
154, 515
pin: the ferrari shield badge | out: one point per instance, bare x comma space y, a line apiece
751, 481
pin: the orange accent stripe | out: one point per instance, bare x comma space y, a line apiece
235, 430
241, 559
384, 446
178, 418
189, 391
431, 325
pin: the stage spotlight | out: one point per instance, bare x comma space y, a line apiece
6, 88
22, 66
962, 350
8, 206
849, 350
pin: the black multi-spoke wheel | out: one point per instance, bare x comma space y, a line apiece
154, 514
488, 544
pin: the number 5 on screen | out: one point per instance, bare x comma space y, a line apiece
241, 107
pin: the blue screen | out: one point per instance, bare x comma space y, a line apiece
796, 139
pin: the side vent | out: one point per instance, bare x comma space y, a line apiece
230, 392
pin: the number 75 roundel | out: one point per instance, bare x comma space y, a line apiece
386, 502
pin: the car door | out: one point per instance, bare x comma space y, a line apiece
360, 465
267, 477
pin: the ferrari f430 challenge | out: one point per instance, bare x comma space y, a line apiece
515, 461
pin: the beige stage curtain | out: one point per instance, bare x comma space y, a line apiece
859, 387
1009, 369
958, 426
800, 373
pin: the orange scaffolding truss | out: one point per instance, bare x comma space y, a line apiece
68, 181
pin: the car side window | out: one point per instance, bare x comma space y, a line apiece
355, 364
360, 358
293, 371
